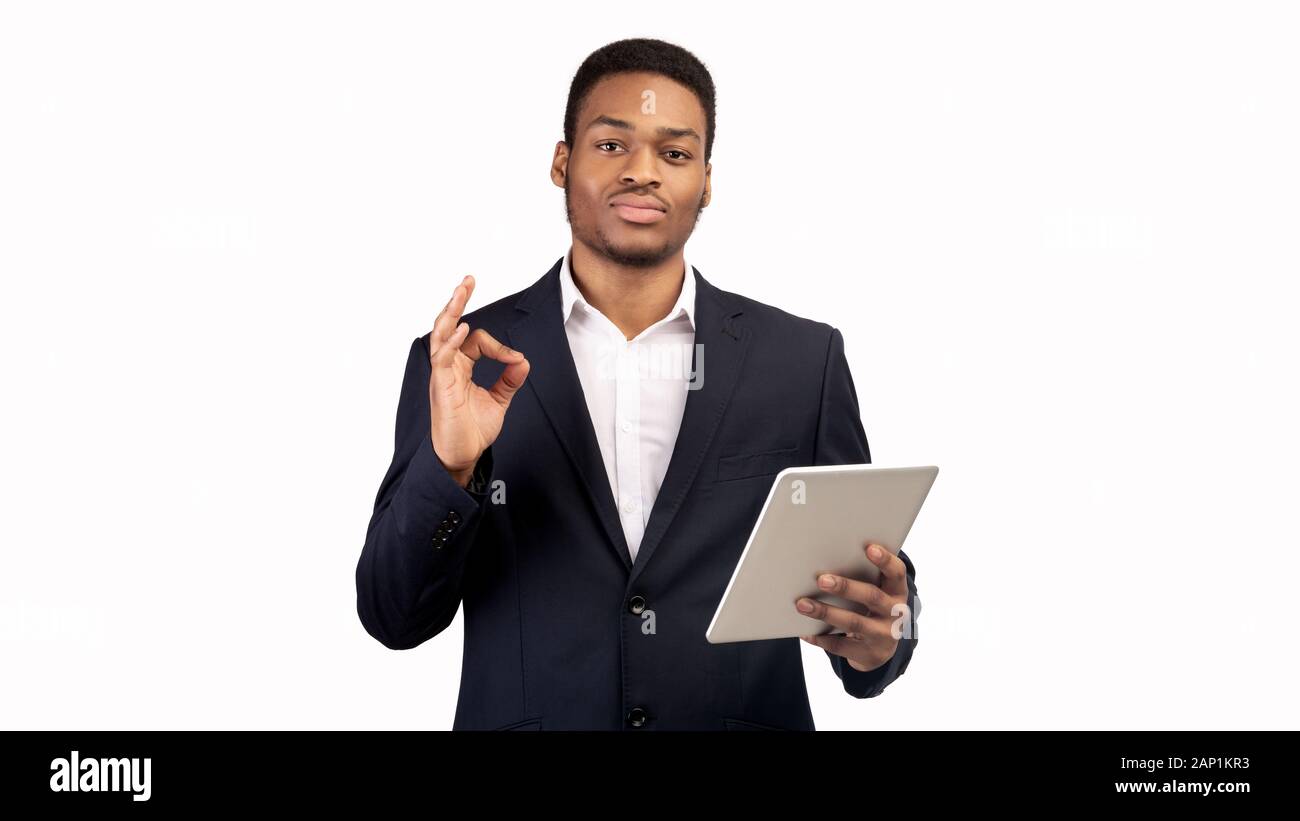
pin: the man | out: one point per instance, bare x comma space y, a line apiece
586, 502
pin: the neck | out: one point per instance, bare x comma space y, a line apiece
634, 298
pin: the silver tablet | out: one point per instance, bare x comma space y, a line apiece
816, 520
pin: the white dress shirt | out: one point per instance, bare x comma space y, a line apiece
636, 393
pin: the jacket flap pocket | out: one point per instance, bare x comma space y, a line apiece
763, 463
523, 724
744, 724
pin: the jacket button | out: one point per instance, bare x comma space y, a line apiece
636, 604
637, 717
454, 517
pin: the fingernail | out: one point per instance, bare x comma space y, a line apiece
827, 581
804, 605
873, 552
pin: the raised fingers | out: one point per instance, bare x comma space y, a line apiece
446, 352
449, 317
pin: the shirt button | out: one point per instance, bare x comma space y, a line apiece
628, 505
637, 717
636, 604
626, 426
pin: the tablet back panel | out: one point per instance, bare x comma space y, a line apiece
816, 519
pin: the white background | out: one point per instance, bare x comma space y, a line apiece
1060, 241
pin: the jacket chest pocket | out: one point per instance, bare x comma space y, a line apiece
761, 463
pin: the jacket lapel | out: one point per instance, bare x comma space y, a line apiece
723, 343
553, 378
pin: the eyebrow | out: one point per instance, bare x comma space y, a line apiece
662, 131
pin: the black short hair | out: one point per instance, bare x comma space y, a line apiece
641, 54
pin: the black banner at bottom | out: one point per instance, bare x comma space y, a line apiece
141, 771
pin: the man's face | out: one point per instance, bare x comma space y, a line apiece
638, 140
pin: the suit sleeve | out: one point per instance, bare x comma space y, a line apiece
422, 528
841, 440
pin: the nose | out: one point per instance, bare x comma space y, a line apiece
642, 168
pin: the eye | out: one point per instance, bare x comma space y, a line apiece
607, 142
675, 151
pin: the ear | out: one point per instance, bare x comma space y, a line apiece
560, 164
708, 191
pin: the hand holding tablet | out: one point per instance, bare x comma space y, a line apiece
819, 520
871, 640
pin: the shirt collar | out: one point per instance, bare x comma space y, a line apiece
570, 295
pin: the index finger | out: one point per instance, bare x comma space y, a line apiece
481, 343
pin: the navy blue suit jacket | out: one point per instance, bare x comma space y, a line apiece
554, 605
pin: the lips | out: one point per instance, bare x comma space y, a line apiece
639, 210
639, 215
